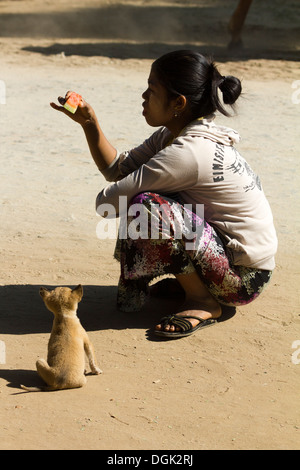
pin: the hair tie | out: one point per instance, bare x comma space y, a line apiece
222, 80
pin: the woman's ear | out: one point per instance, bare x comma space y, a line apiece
180, 104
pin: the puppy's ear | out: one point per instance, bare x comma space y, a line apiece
44, 292
78, 291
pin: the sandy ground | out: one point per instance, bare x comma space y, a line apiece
233, 386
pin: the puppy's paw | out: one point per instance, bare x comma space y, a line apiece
96, 371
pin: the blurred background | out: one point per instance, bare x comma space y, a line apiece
146, 28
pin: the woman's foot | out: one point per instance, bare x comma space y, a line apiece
204, 309
199, 304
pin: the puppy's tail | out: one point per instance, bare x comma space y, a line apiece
35, 389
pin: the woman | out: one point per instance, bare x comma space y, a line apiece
224, 257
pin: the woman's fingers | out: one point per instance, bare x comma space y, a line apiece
61, 100
55, 106
58, 108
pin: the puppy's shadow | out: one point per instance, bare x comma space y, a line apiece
16, 377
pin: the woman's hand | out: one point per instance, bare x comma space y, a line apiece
84, 114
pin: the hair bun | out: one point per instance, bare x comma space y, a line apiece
231, 88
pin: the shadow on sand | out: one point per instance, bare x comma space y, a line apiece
22, 311
147, 31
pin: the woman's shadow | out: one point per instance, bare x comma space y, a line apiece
22, 310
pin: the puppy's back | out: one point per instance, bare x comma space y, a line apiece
66, 346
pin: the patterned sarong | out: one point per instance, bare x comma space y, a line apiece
178, 241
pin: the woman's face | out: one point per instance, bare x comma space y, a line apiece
158, 109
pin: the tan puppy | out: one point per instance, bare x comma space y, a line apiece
65, 365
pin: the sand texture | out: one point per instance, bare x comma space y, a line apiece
233, 386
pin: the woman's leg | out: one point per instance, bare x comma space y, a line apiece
199, 302
146, 258
204, 270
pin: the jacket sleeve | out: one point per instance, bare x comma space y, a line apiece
129, 161
172, 169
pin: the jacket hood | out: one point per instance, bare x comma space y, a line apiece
205, 127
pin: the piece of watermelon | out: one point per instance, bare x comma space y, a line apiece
72, 102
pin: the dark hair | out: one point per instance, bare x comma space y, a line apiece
192, 75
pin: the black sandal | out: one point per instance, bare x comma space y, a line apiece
182, 322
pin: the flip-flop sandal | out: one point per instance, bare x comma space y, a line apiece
183, 323
167, 289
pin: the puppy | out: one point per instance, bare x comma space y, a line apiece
65, 365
